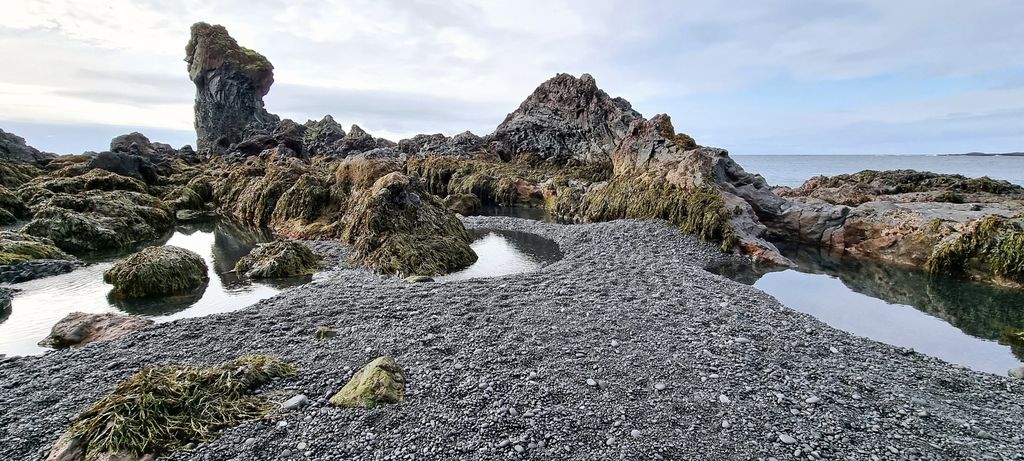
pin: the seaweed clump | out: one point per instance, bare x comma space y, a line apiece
398, 227
698, 211
18, 248
282, 258
158, 270
992, 245
161, 409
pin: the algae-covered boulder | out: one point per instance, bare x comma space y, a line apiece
282, 258
463, 204
12, 207
99, 220
154, 271
380, 381
160, 410
19, 248
80, 328
397, 227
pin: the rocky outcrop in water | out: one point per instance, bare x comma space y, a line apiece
230, 84
398, 227
24, 257
79, 328
282, 258
157, 271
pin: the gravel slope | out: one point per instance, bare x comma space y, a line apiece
686, 365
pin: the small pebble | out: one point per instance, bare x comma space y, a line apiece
786, 439
660, 386
591, 382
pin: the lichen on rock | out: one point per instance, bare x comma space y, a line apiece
398, 227
281, 258
158, 270
381, 381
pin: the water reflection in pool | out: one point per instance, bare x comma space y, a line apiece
39, 304
502, 252
958, 321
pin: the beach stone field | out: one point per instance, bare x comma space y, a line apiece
626, 348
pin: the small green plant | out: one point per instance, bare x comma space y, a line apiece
935, 225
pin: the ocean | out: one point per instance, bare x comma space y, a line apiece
793, 170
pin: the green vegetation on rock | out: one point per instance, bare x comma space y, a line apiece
381, 381
18, 248
162, 409
993, 246
398, 227
282, 258
159, 270
99, 220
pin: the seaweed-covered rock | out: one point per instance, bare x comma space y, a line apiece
99, 220
463, 204
124, 164
158, 270
80, 328
12, 207
19, 248
398, 227
381, 381
282, 258
5, 301
230, 84
899, 185
162, 409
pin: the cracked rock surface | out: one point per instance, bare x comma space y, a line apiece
624, 349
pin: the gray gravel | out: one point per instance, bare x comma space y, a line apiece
498, 369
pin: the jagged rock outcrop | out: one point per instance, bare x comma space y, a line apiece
462, 145
14, 149
565, 118
358, 141
80, 328
398, 227
136, 143
230, 84
321, 135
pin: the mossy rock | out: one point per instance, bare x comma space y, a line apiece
398, 227
161, 409
18, 248
282, 258
12, 207
381, 381
991, 248
156, 271
99, 220
463, 204
5, 301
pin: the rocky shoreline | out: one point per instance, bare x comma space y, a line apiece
684, 364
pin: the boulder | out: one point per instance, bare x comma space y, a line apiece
25, 257
230, 84
126, 164
381, 381
463, 204
398, 227
80, 328
12, 207
155, 271
99, 220
281, 258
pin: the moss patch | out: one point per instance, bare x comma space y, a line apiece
161, 409
379, 382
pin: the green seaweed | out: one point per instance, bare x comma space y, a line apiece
993, 244
161, 409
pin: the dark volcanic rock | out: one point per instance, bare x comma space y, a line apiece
230, 84
462, 144
14, 149
320, 136
565, 117
126, 164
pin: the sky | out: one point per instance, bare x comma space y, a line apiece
765, 77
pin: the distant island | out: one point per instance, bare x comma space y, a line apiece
984, 154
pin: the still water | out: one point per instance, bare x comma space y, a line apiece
502, 252
793, 170
40, 303
956, 320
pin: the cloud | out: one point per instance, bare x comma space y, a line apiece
401, 67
